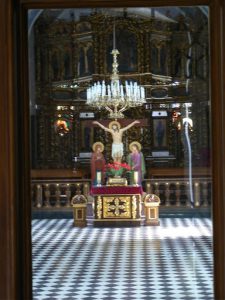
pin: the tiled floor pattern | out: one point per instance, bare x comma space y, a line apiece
170, 262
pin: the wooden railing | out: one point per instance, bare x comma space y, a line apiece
57, 193
176, 191
173, 192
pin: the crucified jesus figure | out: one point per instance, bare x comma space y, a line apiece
117, 134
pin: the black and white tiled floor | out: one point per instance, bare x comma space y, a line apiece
170, 261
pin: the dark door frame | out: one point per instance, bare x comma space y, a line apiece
15, 206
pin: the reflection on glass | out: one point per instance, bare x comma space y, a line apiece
166, 51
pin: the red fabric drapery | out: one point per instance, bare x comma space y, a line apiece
116, 190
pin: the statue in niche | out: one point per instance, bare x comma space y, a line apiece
85, 65
117, 134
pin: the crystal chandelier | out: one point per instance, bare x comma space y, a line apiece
115, 97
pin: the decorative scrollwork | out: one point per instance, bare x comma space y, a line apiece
99, 207
116, 207
134, 206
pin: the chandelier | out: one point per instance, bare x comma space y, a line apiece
115, 97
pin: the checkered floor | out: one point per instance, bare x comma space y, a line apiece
170, 261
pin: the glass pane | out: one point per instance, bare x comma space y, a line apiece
121, 148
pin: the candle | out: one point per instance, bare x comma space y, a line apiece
99, 178
135, 177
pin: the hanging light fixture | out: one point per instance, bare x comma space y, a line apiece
115, 97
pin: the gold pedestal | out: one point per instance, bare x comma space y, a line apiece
79, 215
151, 203
79, 203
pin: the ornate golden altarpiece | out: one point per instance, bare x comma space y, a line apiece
70, 55
117, 205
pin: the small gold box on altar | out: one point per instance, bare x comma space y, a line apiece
118, 181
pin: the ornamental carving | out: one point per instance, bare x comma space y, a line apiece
70, 54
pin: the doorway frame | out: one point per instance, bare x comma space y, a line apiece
15, 204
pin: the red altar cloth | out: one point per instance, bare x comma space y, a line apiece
116, 190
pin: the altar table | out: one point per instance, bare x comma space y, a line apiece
117, 205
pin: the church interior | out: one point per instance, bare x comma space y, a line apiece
147, 233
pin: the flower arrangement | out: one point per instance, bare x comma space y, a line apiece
116, 169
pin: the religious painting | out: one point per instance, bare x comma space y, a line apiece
62, 126
126, 43
160, 133
87, 136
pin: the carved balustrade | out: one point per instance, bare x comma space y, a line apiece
176, 191
57, 193
173, 192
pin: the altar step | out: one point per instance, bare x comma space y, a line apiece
164, 212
